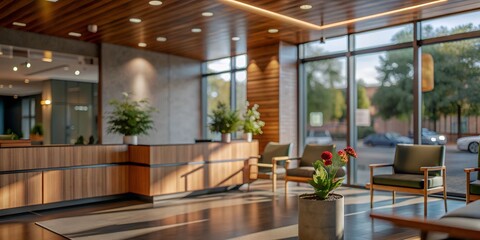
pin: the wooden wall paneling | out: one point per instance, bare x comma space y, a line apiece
20, 189
263, 89
139, 180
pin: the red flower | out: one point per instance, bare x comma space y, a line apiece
327, 162
327, 156
343, 156
351, 152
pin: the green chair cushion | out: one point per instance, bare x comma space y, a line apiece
475, 187
275, 150
307, 172
407, 180
312, 153
409, 158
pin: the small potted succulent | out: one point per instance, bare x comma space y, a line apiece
36, 134
321, 213
130, 118
224, 121
252, 125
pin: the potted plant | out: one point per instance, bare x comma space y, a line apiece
321, 213
224, 121
130, 118
252, 125
36, 134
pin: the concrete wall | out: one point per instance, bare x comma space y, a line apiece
171, 83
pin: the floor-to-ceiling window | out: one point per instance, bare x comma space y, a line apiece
379, 65
224, 80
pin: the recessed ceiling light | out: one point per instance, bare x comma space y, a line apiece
77, 72
235, 38
155, 3
161, 39
27, 80
196, 30
28, 64
74, 34
10, 86
15, 69
273, 30
19, 24
66, 68
306, 7
207, 14
1, 85
135, 20
142, 44
15, 96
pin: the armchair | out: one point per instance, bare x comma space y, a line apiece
304, 172
270, 164
417, 169
473, 188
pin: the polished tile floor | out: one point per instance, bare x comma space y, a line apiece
258, 214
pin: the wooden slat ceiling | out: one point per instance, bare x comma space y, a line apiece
174, 20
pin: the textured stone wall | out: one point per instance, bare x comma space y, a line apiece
171, 83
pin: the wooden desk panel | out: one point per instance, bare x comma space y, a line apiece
20, 189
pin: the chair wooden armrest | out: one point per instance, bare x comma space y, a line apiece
257, 157
434, 168
294, 159
429, 226
469, 170
379, 165
279, 159
261, 164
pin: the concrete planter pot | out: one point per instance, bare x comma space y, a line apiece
320, 219
131, 140
226, 137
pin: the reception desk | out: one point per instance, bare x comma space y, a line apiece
40, 177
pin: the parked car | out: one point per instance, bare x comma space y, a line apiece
318, 137
386, 139
432, 138
468, 144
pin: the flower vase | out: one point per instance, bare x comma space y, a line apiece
320, 218
226, 137
131, 140
248, 136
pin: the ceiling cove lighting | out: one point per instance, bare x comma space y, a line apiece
142, 44
207, 14
306, 7
19, 24
135, 20
235, 38
52, 0
27, 80
294, 21
74, 34
273, 30
155, 3
161, 39
196, 30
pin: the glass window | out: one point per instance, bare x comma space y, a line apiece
218, 90
445, 26
241, 89
329, 46
384, 107
241, 61
384, 37
326, 85
220, 65
452, 103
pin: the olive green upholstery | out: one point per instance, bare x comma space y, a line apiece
410, 158
312, 153
307, 172
274, 150
407, 180
475, 185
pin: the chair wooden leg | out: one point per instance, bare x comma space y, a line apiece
425, 205
286, 186
393, 197
248, 186
274, 182
467, 198
371, 196
445, 189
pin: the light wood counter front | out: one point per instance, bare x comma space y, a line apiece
167, 169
